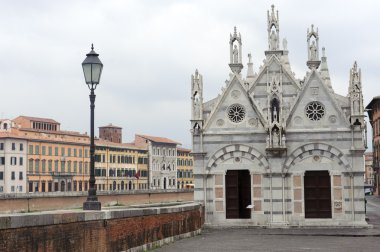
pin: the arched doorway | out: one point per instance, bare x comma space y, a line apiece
114, 185
164, 183
130, 185
122, 185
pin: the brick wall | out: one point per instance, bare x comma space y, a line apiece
12, 203
110, 230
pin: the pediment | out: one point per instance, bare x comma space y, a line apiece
316, 107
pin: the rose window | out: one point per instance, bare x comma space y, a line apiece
236, 113
315, 111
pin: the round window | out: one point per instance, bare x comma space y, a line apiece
315, 111
236, 113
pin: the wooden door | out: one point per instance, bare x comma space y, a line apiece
238, 194
317, 194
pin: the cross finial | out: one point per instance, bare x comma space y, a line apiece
92, 46
249, 58
235, 33
323, 52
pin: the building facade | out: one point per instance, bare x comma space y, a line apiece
12, 162
185, 178
120, 166
53, 160
162, 161
368, 175
274, 150
373, 110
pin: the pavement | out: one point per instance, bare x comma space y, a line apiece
290, 239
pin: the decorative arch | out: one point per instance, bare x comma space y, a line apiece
237, 150
312, 149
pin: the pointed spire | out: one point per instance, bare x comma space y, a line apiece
324, 70
273, 30
313, 61
250, 73
235, 52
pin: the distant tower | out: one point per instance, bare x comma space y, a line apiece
235, 52
111, 133
313, 61
356, 96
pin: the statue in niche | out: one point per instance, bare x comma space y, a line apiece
313, 51
273, 40
197, 129
235, 53
283, 140
276, 138
285, 44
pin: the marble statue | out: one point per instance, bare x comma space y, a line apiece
273, 40
313, 51
235, 54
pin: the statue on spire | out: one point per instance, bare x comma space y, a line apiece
273, 30
235, 52
313, 48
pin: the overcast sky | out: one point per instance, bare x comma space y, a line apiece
150, 49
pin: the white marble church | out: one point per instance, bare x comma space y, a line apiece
273, 150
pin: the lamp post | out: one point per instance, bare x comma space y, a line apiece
92, 69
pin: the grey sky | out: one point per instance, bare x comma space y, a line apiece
150, 48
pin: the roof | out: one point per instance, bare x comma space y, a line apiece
38, 119
158, 139
183, 149
111, 126
118, 145
370, 106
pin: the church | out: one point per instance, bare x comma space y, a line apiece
272, 150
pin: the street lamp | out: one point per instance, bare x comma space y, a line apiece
92, 69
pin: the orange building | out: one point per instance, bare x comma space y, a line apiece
185, 177
373, 110
56, 160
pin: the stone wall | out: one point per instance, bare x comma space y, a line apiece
106, 230
13, 203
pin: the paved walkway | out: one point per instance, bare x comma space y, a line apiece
293, 239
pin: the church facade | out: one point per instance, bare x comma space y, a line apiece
273, 150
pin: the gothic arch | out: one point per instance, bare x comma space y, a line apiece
312, 149
237, 150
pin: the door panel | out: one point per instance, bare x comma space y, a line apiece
238, 194
317, 194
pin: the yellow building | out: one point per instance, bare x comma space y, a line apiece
57, 160
185, 177
120, 166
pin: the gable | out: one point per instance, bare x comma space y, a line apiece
234, 111
316, 107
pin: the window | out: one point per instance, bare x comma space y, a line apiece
30, 165
37, 150
13, 176
31, 149
315, 111
236, 113
69, 152
13, 161
50, 165
50, 151
63, 151
37, 164
56, 165
21, 161
63, 166
56, 151
1, 189
20, 188
20, 176
12, 188
2, 160
13, 146
80, 152
69, 166
21, 147
1, 146
1, 175
75, 152
75, 166
43, 150
43, 166
85, 153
